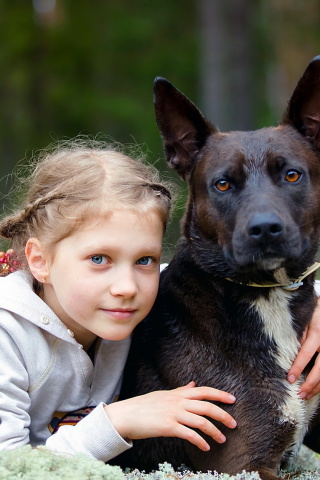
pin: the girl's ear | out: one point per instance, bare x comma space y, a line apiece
37, 259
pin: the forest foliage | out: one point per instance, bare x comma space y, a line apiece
70, 68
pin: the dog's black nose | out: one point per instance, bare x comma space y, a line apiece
264, 226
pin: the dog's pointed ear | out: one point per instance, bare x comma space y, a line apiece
303, 111
183, 128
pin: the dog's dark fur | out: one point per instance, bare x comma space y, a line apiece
253, 215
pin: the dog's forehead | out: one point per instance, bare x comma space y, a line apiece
256, 148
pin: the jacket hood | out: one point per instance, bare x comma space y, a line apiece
18, 297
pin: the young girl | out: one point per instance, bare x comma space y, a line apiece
88, 237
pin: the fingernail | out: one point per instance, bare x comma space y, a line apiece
233, 424
291, 378
308, 397
206, 448
303, 395
232, 398
222, 439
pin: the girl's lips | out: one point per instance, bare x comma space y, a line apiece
120, 313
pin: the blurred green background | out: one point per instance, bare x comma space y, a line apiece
87, 67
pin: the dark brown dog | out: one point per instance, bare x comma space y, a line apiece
226, 315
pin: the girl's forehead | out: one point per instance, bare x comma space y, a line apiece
122, 230
122, 216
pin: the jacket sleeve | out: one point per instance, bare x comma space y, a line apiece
14, 397
94, 435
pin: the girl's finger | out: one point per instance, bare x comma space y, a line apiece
208, 393
308, 349
206, 409
189, 385
191, 436
310, 345
192, 421
310, 386
313, 392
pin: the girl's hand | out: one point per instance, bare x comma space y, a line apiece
172, 413
310, 345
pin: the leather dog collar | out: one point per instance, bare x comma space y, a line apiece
290, 287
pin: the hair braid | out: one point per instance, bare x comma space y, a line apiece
76, 181
12, 225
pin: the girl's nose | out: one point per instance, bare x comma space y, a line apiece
124, 283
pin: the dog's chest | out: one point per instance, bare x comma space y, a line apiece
278, 326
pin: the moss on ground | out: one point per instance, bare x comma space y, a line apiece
28, 463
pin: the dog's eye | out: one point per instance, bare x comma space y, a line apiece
292, 176
222, 185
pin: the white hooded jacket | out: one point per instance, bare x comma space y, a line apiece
44, 370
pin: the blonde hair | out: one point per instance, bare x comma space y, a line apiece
80, 180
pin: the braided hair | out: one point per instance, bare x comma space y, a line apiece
78, 180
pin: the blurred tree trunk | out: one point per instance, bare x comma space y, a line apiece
227, 61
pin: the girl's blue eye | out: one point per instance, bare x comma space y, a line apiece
145, 261
99, 259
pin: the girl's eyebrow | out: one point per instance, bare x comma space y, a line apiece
99, 248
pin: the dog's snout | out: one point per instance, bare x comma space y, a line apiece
265, 226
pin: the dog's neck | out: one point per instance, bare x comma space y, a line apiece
284, 282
